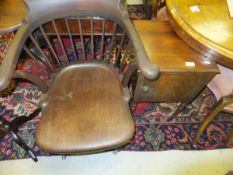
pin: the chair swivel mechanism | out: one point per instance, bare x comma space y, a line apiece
90, 50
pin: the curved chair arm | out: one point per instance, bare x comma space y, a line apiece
7, 68
149, 70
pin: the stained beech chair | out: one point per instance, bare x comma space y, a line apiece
91, 51
222, 88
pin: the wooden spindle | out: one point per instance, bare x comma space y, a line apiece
60, 41
119, 49
81, 36
122, 62
92, 40
49, 44
71, 39
110, 49
28, 52
42, 53
102, 39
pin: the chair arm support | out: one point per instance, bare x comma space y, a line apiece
128, 74
10, 60
149, 70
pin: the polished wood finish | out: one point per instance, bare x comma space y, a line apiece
85, 113
205, 25
172, 86
177, 81
85, 98
12, 13
85, 25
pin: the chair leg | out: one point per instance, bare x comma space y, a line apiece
229, 139
22, 144
206, 121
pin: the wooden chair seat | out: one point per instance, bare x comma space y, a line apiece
74, 122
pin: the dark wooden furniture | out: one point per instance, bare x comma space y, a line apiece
206, 26
85, 99
12, 13
183, 71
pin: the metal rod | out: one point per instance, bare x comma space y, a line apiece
71, 39
60, 41
81, 36
49, 44
42, 53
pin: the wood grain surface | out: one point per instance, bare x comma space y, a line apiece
86, 113
183, 71
12, 12
205, 25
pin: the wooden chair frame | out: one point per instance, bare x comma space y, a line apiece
43, 11
28, 40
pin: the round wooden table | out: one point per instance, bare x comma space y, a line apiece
206, 26
12, 13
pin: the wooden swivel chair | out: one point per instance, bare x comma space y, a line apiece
222, 87
85, 100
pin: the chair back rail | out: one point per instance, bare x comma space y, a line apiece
97, 39
50, 25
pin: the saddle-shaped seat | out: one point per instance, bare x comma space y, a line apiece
95, 102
